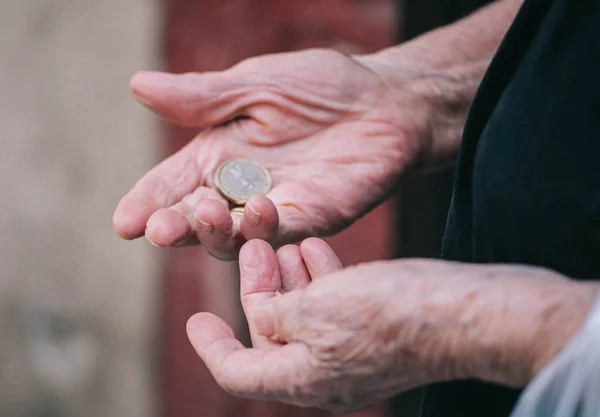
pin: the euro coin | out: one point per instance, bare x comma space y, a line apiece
238, 179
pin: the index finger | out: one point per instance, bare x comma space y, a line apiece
259, 281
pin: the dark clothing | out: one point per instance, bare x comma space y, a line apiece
527, 187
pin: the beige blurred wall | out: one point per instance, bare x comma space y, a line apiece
78, 307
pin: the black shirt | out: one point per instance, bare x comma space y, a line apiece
527, 187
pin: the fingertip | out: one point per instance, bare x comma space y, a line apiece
153, 243
314, 244
143, 82
127, 228
291, 252
195, 321
167, 95
320, 258
131, 215
261, 203
204, 328
253, 215
212, 214
261, 219
254, 246
201, 320
256, 250
136, 80
215, 229
258, 267
167, 228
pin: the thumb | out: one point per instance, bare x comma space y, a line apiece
278, 318
194, 99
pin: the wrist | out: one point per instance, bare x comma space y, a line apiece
570, 316
442, 70
521, 323
434, 102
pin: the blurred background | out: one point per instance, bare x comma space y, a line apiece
91, 326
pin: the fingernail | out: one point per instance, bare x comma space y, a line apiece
253, 216
152, 243
180, 242
264, 321
206, 226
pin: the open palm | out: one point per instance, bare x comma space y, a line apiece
324, 125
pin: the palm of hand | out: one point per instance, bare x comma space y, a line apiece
320, 122
345, 339
332, 341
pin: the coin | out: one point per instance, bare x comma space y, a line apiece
238, 179
238, 209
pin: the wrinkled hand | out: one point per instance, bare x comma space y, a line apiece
346, 339
327, 127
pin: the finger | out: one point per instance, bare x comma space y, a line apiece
168, 227
217, 229
195, 99
259, 281
176, 225
265, 374
320, 258
292, 269
260, 220
161, 187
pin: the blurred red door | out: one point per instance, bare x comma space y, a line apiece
203, 35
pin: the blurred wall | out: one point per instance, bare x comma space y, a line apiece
77, 305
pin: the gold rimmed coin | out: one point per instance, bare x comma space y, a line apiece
238, 179
237, 209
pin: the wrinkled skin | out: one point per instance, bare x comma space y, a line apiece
344, 339
327, 127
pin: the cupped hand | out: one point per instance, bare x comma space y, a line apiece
344, 339
326, 126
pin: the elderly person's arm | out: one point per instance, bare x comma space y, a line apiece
452, 61
346, 339
337, 133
